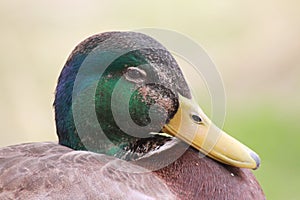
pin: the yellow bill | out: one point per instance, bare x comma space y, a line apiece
191, 125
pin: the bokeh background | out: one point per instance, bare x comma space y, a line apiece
255, 45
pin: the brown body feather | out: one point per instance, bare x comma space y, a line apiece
194, 177
51, 171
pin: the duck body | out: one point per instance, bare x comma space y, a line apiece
128, 128
52, 171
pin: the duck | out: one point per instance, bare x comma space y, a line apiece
128, 127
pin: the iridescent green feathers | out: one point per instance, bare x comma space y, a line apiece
120, 74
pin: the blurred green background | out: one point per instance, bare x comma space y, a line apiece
255, 45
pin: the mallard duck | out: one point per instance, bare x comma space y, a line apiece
128, 128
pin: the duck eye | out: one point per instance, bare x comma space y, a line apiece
196, 118
135, 74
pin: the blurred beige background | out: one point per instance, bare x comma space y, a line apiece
255, 45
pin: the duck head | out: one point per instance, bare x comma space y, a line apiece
124, 95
